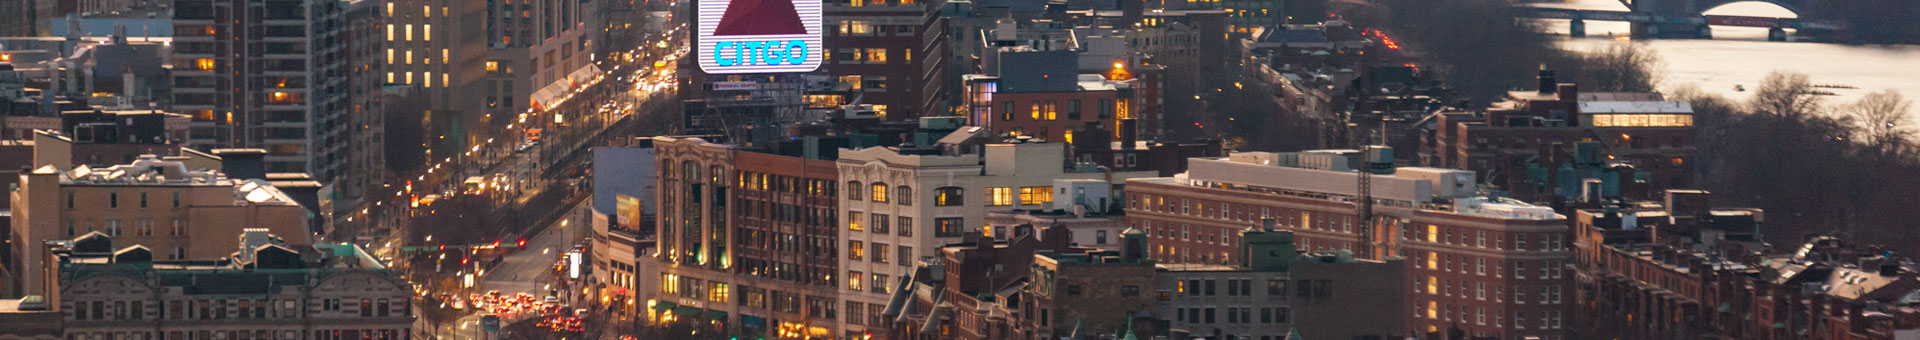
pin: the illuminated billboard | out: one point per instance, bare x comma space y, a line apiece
760, 36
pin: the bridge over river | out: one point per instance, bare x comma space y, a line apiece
1687, 18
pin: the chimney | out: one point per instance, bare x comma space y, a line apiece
1129, 133
1267, 223
1547, 83
1569, 92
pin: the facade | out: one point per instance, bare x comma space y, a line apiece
1093, 292
978, 290
1465, 252
1094, 222
1096, 145
439, 46
267, 292
897, 205
366, 153
745, 233
1635, 145
288, 99
891, 54
157, 204
537, 52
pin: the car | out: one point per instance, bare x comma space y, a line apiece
551, 300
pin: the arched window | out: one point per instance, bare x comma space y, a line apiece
853, 190
949, 196
904, 195
879, 192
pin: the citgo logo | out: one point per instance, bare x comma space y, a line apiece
759, 36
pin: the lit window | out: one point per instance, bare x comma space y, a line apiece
389, 9
1036, 195
389, 31
409, 32
389, 56
1000, 196
409, 57
408, 77
204, 64
426, 32
427, 78
425, 11
493, 66
879, 192
389, 77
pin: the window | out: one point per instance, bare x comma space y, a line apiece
906, 256
1520, 269
113, 200
906, 226
948, 197
1036, 195
853, 221
1100, 237
856, 250
113, 228
879, 253
999, 196
179, 227
880, 223
143, 199
1129, 290
879, 192
1277, 288
903, 195
856, 281
717, 292
853, 192
854, 313
880, 283
947, 227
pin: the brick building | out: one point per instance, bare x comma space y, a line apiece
889, 53
263, 290
1492, 267
1126, 152
1546, 145
747, 240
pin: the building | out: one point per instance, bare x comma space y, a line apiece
1041, 94
748, 234
161, 205
1087, 292
539, 54
290, 98
262, 290
1465, 252
890, 53
623, 221
1221, 301
978, 289
1093, 222
1547, 145
1128, 153
441, 47
897, 204
366, 152
1343, 287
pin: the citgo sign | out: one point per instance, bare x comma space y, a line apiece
760, 36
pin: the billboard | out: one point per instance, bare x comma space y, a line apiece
628, 212
760, 36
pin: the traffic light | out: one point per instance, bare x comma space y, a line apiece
463, 260
523, 243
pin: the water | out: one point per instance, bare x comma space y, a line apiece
1742, 56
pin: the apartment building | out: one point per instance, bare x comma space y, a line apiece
263, 290
746, 238
270, 75
157, 204
1489, 266
899, 204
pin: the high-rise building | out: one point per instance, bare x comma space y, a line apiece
1486, 266
267, 74
538, 53
440, 47
366, 154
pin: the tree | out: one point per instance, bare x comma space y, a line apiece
1785, 95
1624, 67
1879, 120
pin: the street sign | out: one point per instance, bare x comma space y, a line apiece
760, 36
490, 322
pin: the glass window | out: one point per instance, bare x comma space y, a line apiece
948, 197
1000, 196
879, 192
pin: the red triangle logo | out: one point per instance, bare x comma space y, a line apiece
760, 17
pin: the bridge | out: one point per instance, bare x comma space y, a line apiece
1686, 18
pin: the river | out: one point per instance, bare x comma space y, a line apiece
1742, 56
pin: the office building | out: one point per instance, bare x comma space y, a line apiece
890, 53
440, 47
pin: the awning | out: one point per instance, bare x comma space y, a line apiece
663, 306
716, 315
684, 310
553, 93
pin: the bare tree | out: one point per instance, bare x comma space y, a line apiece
1879, 120
1623, 67
1785, 95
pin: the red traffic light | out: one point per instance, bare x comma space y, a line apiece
522, 244
463, 260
